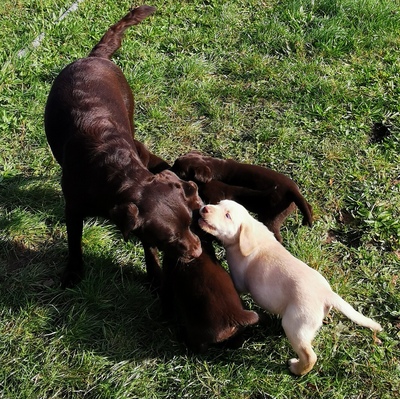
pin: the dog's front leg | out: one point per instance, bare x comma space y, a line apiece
153, 268
73, 272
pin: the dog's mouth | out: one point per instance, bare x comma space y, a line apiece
206, 226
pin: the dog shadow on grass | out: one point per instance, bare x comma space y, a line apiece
112, 311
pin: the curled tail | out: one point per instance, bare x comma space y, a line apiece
340, 304
111, 41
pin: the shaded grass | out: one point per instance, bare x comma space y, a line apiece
296, 86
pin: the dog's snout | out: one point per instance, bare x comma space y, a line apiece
196, 252
204, 209
200, 203
189, 249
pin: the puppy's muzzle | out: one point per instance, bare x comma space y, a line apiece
204, 209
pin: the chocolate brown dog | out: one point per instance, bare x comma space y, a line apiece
202, 295
269, 194
89, 126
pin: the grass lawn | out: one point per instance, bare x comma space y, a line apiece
309, 88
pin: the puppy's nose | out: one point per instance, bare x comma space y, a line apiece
204, 209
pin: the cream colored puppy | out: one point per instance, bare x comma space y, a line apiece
277, 281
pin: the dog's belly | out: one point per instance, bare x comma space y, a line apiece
275, 289
268, 286
270, 298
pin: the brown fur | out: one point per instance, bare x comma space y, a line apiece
203, 296
269, 194
89, 126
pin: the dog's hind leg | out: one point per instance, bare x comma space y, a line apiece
74, 271
300, 334
305, 362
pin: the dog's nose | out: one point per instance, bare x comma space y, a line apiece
204, 209
197, 252
193, 251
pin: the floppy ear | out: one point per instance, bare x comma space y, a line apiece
202, 173
192, 195
246, 239
189, 188
126, 218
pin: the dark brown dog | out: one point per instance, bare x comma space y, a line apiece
89, 126
202, 295
269, 194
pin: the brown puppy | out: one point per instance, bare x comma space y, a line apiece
203, 297
89, 126
269, 194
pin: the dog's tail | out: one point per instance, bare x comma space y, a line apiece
340, 304
304, 207
111, 41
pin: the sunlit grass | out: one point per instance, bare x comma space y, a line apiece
293, 85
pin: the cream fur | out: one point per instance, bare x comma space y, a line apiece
277, 281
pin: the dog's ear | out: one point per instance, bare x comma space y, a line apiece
126, 218
190, 188
202, 173
192, 195
246, 239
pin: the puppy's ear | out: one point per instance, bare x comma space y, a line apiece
246, 239
126, 218
202, 173
190, 188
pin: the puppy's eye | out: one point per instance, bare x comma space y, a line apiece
228, 215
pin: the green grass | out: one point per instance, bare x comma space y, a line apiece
293, 85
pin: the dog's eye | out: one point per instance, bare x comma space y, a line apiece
228, 215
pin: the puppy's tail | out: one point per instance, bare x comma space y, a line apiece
304, 207
112, 39
340, 304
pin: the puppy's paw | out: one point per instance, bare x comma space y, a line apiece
297, 367
294, 366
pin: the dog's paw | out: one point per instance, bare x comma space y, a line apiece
70, 279
294, 366
297, 367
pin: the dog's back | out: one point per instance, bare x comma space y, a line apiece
269, 194
76, 102
204, 298
308, 288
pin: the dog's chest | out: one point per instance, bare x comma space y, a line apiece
238, 267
